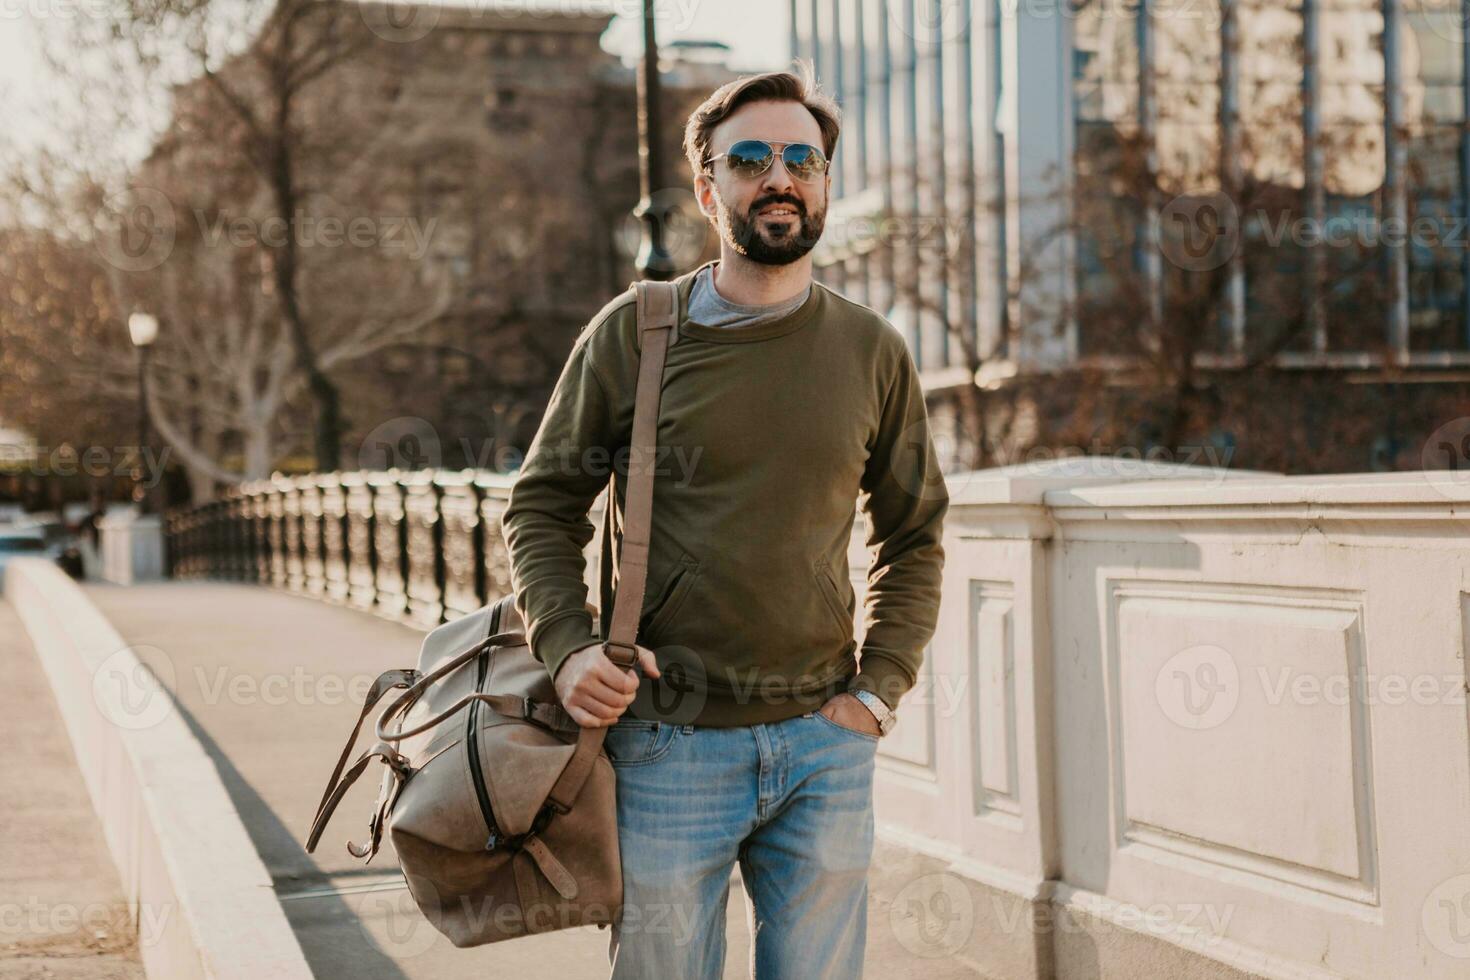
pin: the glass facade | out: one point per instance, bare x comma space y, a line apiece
1281, 178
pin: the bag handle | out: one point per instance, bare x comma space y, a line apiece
422, 684
551, 715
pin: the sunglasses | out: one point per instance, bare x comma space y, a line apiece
751, 158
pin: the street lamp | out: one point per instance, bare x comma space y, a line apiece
143, 329
654, 261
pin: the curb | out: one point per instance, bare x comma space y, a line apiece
191, 870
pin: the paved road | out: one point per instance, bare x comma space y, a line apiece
264, 678
62, 910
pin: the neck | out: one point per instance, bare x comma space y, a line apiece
748, 283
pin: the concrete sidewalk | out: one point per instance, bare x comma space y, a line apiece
62, 910
271, 684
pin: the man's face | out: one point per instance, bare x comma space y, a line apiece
744, 207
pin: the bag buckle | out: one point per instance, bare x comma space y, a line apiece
608, 645
517, 841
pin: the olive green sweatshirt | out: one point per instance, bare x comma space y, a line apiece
771, 437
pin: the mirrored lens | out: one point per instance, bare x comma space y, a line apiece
804, 161
749, 157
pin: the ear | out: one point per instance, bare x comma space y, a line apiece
704, 195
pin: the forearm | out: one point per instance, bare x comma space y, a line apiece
545, 524
902, 609
907, 500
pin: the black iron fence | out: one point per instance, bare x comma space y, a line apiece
423, 546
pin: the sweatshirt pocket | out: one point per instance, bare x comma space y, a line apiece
675, 590
833, 598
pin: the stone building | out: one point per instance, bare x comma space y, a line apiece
500, 148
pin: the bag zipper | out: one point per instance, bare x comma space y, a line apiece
472, 744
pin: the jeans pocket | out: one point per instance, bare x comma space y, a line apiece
843, 728
635, 742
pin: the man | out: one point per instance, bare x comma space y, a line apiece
754, 737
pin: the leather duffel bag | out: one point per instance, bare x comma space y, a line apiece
501, 808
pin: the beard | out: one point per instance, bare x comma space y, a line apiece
770, 241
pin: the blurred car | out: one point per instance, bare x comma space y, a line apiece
21, 542
60, 541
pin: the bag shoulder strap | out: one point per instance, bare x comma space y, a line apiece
658, 313
658, 317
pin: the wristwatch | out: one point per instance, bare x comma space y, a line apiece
886, 718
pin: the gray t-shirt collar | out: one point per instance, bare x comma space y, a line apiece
708, 307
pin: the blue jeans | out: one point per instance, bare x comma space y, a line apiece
791, 800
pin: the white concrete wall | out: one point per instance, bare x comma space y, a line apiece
202, 900
1218, 722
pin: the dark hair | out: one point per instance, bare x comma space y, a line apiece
775, 86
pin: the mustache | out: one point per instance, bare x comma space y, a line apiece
768, 201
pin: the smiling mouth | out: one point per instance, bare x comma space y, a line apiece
779, 212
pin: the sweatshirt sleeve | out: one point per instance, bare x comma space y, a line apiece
546, 526
905, 504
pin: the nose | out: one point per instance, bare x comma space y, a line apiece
776, 180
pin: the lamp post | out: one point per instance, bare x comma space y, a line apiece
143, 329
653, 260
